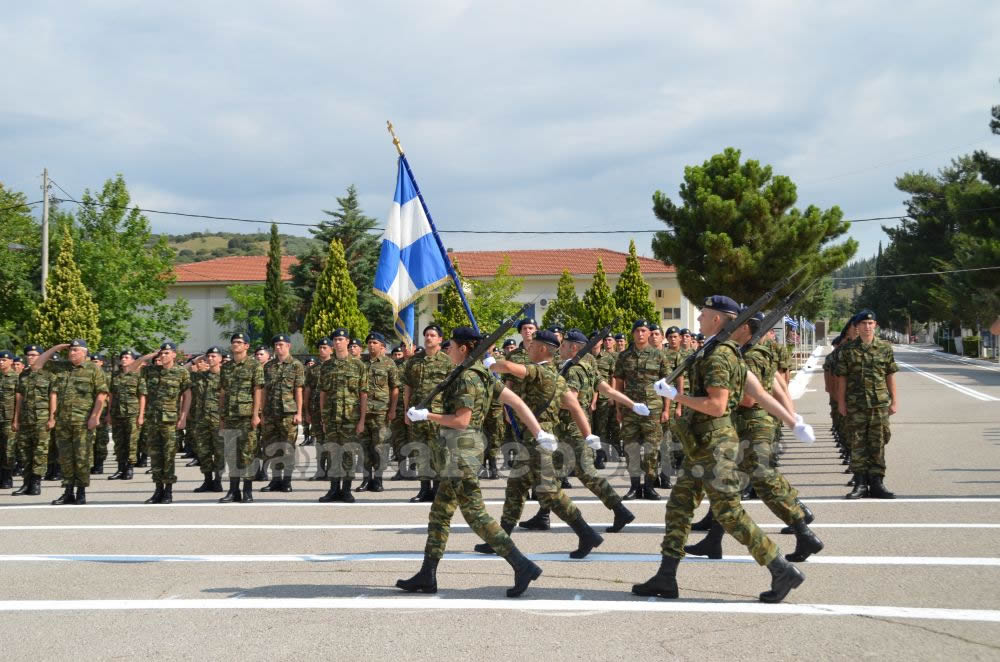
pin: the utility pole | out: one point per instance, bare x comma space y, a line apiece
45, 229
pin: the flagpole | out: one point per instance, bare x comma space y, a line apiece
437, 237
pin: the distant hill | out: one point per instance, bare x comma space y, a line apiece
200, 246
848, 289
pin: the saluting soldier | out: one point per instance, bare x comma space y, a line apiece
422, 373
31, 418
241, 398
207, 442
8, 400
343, 400
126, 387
314, 415
102, 434
284, 377
383, 394
76, 399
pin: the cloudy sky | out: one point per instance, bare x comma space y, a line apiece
514, 116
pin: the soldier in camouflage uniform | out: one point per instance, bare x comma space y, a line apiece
383, 394
711, 448
241, 398
545, 392
126, 386
866, 398
635, 371
494, 429
675, 356
605, 415
76, 399
343, 401
398, 429
284, 377
164, 407
307, 431
422, 373
208, 446
32, 418
8, 400
465, 405
101, 436
314, 415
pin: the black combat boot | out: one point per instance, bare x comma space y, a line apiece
157, 494
25, 486
808, 517
35, 489
67, 498
483, 471
588, 538
648, 492
663, 584
129, 473
273, 484
784, 577
50, 472
491, 466
565, 484
81, 495
286, 482
168, 494
705, 523
748, 493
233, 495
664, 481
376, 485
634, 490
143, 461
525, 572
424, 581
600, 459
6, 479
261, 474
118, 475
247, 491
97, 468
425, 489
365, 481
345, 491
710, 545
860, 487
193, 463
217, 482
333, 494
806, 543
540, 522
622, 517
876, 490
206, 484
485, 547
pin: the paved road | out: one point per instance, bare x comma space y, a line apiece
915, 578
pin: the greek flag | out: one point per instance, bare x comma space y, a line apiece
791, 322
412, 261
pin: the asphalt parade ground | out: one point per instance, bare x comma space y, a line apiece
289, 578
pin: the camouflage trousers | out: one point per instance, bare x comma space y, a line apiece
710, 466
535, 469
641, 438
162, 450
8, 446
143, 446
868, 433
585, 471
462, 456
33, 440
374, 441
279, 435
340, 447
398, 435
493, 430
76, 453
672, 449
239, 443
208, 446
770, 485
101, 436
423, 437
605, 423
125, 434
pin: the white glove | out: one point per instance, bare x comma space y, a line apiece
489, 361
665, 390
799, 419
641, 409
415, 414
804, 433
547, 441
594, 442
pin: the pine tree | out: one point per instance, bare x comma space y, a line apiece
450, 312
565, 308
335, 302
69, 310
277, 297
632, 292
598, 305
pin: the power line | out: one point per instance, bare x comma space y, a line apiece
922, 273
23, 204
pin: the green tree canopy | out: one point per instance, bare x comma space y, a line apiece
69, 310
278, 303
244, 313
450, 312
632, 292
335, 302
20, 263
494, 299
737, 233
598, 305
565, 310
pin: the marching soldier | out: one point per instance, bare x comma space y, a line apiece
494, 429
383, 394
284, 377
675, 356
76, 399
605, 415
422, 373
207, 443
314, 415
241, 398
8, 400
343, 400
126, 387
31, 419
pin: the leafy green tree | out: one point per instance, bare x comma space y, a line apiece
565, 309
69, 310
335, 302
818, 303
127, 270
278, 303
494, 299
20, 260
598, 305
450, 312
244, 313
737, 233
632, 291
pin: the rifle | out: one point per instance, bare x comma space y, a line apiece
582, 352
776, 315
473, 356
733, 324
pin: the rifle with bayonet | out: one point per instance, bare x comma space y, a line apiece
582, 352
777, 315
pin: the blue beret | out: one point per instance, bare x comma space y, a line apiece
375, 335
639, 324
576, 335
526, 320
722, 304
324, 342
700, 336
510, 342
214, 350
864, 315
547, 337
446, 343
433, 327
619, 336
78, 342
4, 354
465, 334
239, 336
397, 348
653, 326
354, 341
685, 332
17, 359
340, 333
169, 345
758, 317
97, 356
32, 348
281, 337
671, 329
555, 328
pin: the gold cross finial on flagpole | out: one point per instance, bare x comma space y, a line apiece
395, 140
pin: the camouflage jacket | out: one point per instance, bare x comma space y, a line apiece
723, 368
8, 393
829, 366
343, 381
474, 389
312, 382
639, 369
76, 389
762, 363
422, 374
382, 379
605, 367
400, 368
238, 381
125, 390
164, 388
206, 395
34, 389
543, 385
583, 379
675, 357
519, 356
281, 378
866, 368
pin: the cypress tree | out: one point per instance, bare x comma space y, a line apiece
335, 302
69, 310
277, 297
598, 305
632, 292
565, 308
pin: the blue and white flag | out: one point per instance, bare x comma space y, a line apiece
791, 322
412, 261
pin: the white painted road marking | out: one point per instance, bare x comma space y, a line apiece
473, 557
951, 358
964, 390
437, 603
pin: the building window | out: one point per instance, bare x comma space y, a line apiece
216, 312
671, 313
440, 304
659, 294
